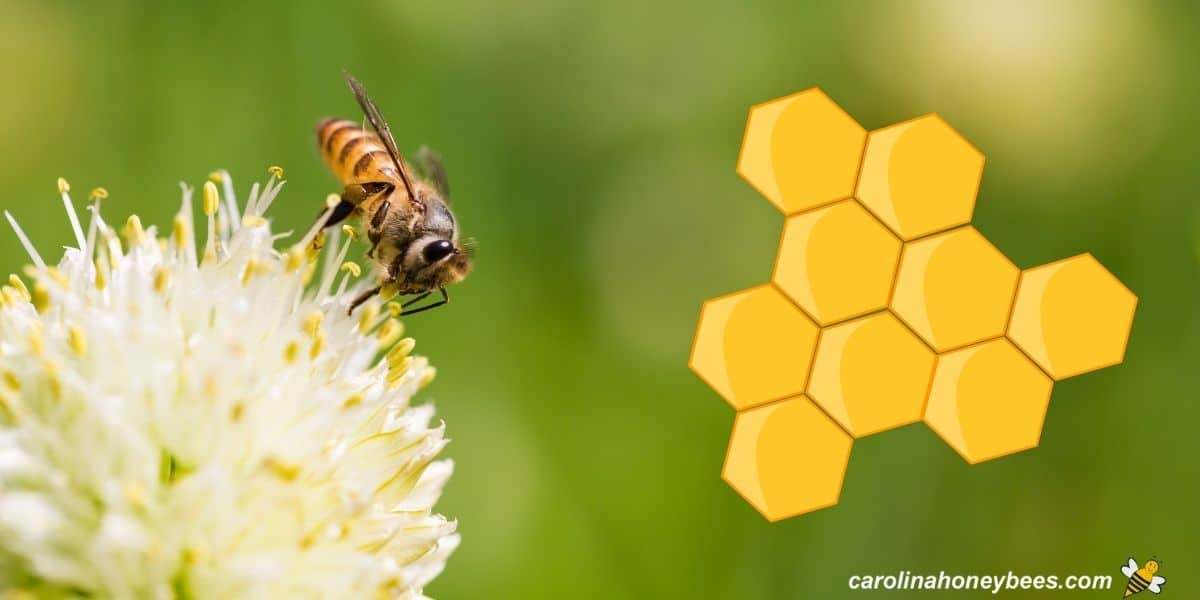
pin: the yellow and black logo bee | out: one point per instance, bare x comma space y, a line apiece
1144, 578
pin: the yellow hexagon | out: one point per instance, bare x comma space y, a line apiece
787, 458
955, 288
988, 401
1072, 316
871, 374
837, 262
801, 151
920, 176
753, 347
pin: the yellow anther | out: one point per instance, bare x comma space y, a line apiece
41, 297
63, 186
400, 369
402, 349
312, 323
162, 279
235, 413
36, 345
195, 553
77, 339
350, 232
210, 255
395, 309
8, 414
427, 378
332, 200
59, 277
276, 171
179, 232
353, 400
98, 194
253, 221
309, 271
52, 379
11, 380
251, 269
317, 346
135, 493
294, 259
281, 469
210, 386
216, 177
162, 245
212, 201
352, 268
290, 352
134, 231
389, 333
101, 277
366, 319
16, 282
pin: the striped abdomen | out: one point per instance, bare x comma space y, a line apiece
1136, 584
352, 153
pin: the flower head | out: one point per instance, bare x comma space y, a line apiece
183, 420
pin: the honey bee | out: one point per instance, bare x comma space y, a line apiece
1144, 578
414, 236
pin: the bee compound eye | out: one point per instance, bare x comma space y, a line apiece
438, 250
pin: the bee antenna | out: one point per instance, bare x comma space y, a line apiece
470, 245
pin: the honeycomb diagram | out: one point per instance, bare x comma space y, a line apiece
886, 308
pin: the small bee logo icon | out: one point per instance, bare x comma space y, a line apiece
1143, 578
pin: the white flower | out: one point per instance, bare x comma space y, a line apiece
179, 422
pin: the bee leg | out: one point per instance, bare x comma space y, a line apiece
356, 193
342, 210
445, 300
376, 223
394, 268
408, 303
374, 237
380, 214
363, 297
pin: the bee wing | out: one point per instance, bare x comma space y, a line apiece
1156, 584
1129, 569
430, 164
381, 129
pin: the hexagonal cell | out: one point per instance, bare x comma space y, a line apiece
954, 288
801, 151
871, 374
837, 262
920, 176
787, 458
988, 401
1072, 316
753, 347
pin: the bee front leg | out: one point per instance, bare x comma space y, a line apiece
363, 297
412, 311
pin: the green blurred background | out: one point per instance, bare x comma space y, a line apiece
591, 149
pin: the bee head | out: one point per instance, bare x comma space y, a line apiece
434, 261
